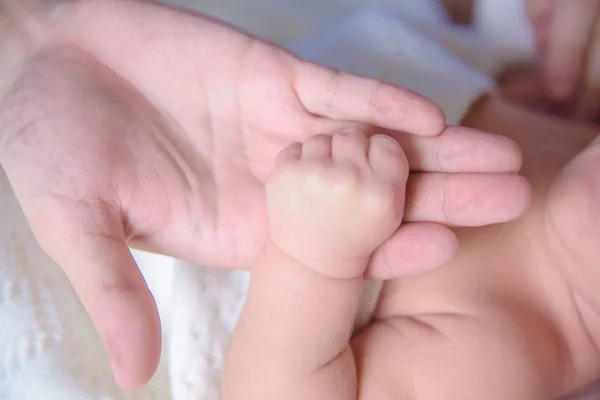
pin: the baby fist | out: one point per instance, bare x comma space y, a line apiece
334, 199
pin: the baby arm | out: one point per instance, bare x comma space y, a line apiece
331, 202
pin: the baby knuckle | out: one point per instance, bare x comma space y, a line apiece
344, 180
380, 201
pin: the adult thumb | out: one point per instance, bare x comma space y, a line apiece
87, 240
292, 341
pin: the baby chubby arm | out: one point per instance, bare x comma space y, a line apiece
331, 202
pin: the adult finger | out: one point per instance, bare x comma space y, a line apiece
460, 149
466, 199
414, 249
457, 149
87, 240
292, 340
333, 94
568, 40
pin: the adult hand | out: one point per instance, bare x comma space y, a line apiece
133, 124
515, 315
568, 40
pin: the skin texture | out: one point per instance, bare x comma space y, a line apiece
125, 123
515, 315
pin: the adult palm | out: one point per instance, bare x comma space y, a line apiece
133, 124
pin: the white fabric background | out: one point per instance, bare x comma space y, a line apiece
48, 348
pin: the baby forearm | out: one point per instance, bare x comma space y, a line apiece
289, 309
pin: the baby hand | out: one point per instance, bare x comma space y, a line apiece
336, 198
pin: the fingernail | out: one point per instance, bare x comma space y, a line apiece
385, 140
388, 142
